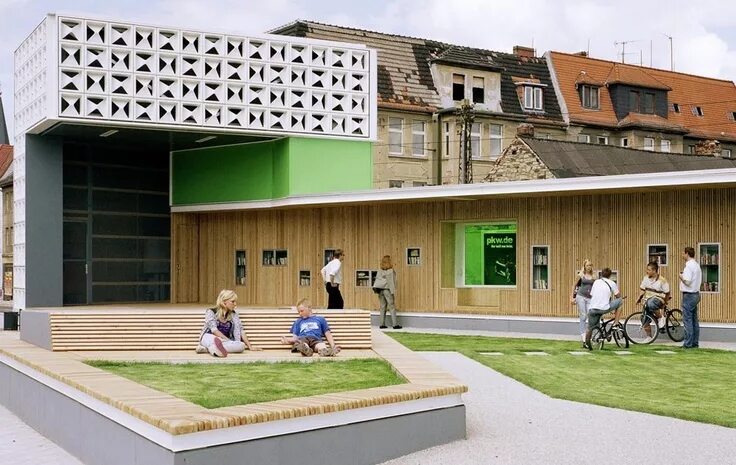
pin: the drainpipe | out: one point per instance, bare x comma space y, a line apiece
438, 152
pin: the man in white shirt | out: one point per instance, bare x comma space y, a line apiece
332, 275
604, 297
690, 280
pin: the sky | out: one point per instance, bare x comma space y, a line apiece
703, 32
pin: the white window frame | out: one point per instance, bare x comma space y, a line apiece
587, 94
583, 138
417, 149
476, 136
625, 142
665, 146
496, 138
533, 98
649, 148
598, 140
724, 152
446, 129
394, 181
396, 131
452, 88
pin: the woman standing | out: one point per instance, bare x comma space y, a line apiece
222, 332
581, 294
385, 287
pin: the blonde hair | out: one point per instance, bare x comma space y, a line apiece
223, 314
586, 262
303, 303
386, 262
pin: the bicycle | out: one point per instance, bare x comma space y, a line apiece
638, 326
607, 330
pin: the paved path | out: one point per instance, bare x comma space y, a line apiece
22, 445
512, 424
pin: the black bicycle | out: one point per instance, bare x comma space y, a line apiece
607, 330
642, 327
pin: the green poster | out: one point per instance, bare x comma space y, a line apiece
490, 254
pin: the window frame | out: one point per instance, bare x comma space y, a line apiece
730, 153
495, 138
599, 138
476, 136
533, 98
482, 89
663, 143
624, 142
649, 97
458, 90
399, 131
586, 136
414, 134
648, 148
634, 100
446, 129
586, 97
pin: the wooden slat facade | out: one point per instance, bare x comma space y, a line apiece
612, 230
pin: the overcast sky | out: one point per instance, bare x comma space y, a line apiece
703, 31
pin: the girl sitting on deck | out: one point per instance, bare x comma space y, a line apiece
223, 332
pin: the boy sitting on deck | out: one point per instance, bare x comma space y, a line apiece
307, 331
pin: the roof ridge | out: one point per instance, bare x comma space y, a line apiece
609, 146
446, 45
645, 67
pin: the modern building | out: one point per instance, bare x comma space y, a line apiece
605, 102
118, 122
421, 83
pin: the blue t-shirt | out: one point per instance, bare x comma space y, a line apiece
314, 326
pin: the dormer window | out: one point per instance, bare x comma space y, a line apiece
648, 103
676, 107
697, 111
478, 90
458, 87
590, 97
533, 98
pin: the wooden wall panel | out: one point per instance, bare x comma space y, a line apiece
612, 230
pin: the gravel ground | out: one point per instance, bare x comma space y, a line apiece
510, 423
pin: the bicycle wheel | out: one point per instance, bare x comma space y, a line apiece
675, 328
619, 336
596, 338
641, 328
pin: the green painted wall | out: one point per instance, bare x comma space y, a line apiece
276, 169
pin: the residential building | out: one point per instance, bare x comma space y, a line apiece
421, 83
651, 109
6, 206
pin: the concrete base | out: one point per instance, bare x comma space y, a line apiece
709, 332
98, 434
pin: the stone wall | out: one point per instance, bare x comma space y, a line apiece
518, 163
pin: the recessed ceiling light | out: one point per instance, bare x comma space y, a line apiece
205, 139
109, 133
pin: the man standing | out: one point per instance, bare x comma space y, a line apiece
604, 297
332, 275
690, 280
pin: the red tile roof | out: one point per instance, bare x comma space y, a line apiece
715, 97
6, 158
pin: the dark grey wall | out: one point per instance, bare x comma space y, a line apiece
620, 100
44, 241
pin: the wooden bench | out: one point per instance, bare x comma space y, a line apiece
179, 329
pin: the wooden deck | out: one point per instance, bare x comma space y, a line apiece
178, 416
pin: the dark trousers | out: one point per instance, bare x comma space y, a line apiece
334, 298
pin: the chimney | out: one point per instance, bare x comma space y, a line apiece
582, 53
708, 147
524, 52
525, 130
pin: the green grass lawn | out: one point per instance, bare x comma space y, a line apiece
222, 385
698, 385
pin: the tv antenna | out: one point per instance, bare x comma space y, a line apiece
672, 53
623, 47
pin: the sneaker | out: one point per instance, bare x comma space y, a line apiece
218, 348
201, 349
586, 345
326, 352
661, 322
383, 327
303, 348
398, 327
